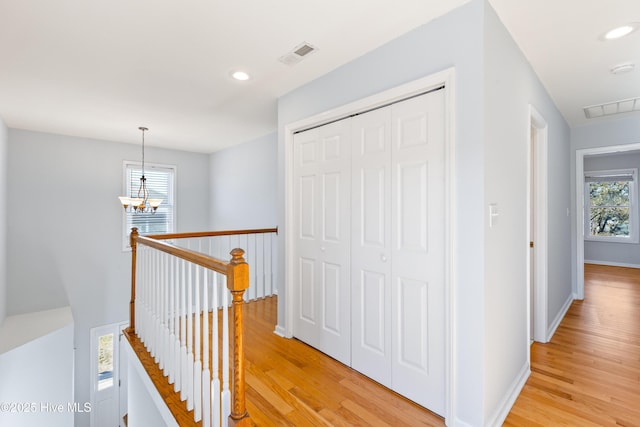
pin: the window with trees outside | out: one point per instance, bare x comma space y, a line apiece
160, 183
611, 212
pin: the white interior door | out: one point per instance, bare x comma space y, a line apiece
104, 376
418, 233
322, 187
371, 245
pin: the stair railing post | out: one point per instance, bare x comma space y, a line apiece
132, 304
237, 283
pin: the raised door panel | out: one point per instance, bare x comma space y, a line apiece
418, 237
322, 190
370, 278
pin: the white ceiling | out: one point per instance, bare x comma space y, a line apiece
100, 69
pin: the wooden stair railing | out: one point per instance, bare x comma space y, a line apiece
236, 272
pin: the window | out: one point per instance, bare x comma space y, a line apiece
160, 183
611, 212
105, 361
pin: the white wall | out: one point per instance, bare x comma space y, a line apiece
145, 405
40, 372
511, 85
4, 163
65, 244
627, 254
244, 185
455, 39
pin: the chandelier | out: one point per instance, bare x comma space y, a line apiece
142, 203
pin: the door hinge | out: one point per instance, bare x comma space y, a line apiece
530, 244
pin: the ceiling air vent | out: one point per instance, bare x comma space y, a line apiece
610, 108
297, 54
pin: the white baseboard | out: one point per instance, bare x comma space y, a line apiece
280, 331
507, 403
559, 317
612, 264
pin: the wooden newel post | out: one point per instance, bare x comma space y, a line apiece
238, 282
132, 304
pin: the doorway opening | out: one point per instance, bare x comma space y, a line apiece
108, 376
579, 207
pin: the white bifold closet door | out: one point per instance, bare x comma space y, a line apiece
322, 221
395, 265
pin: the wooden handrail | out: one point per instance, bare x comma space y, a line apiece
198, 258
237, 273
212, 233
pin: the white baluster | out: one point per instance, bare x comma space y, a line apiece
161, 319
250, 244
176, 325
197, 365
183, 335
165, 313
215, 381
206, 373
190, 338
155, 307
268, 286
172, 321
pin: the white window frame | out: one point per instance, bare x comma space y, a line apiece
633, 205
171, 202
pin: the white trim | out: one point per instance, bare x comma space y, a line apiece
446, 78
611, 264
510, 398
579, 177
280, 331
559, 317
540, 237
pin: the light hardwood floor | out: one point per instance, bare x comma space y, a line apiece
588, 375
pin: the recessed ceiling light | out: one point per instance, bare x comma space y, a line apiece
621, 31
623, 68
240, 75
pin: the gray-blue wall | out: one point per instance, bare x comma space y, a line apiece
66, 231
247, 170
511, 86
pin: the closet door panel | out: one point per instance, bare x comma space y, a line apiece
322, 187
371, 264
418, 250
